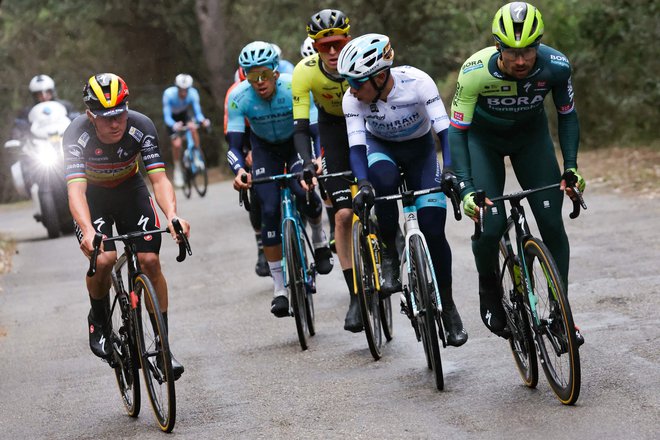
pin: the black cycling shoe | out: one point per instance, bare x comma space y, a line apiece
490, 304
390, 271
280, 306
456, 333
578, 336
177, 368
99, 340
261, 268
353, 321
323, 260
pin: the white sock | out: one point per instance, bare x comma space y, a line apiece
318, 235
278, 276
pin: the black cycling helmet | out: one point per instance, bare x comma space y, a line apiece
106, 94
327, 23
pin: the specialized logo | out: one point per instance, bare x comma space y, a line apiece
99, 222
527, 86
143, 222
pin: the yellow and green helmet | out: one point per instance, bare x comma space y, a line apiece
517, 25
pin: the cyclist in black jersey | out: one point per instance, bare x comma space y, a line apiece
498, 111
101, 151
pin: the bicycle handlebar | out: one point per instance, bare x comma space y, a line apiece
184, 245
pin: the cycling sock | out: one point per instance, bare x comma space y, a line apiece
278, 276
348, 277
100, 308
318, 236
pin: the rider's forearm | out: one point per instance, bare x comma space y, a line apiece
444, 146
301, 140
460, 158
79, 207
568, 129
358, 159
164, 192
235, 157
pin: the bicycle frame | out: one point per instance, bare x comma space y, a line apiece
371, 243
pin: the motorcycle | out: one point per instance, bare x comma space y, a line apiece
39, 172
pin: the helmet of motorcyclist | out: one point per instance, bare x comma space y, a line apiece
183, 81
42, 88
307, 47
258, 53
327, 23
365, 56
517, 25
106, 94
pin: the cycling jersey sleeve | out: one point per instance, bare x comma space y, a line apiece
435, 108
460, 156
197, 108
167, 110
149, 149
316, 138
300, 88
568, 126
301, 139
357, 137
235, 154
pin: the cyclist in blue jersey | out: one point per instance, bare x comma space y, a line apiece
265, 100
181, 108
497, 111
391, 114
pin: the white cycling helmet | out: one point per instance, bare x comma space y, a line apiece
307, 48
41, 83
183, 81
365, 56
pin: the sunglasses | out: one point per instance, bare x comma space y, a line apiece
264, 75
326, 46
357, 83
512, 54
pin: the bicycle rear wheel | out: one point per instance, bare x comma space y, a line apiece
309, 297
366, 291
520, 341
296, 281
154, 350
555, 334
200, 177
124, 355
423, 289
187, 177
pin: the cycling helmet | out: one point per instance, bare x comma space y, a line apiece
41, 83
307, 48
365, 56
278, 51
258, 53
106, 94
327, 23
518, 25
183, 81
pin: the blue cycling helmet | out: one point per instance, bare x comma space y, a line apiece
258, 53
365, 56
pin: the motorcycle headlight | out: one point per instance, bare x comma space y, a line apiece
46, 154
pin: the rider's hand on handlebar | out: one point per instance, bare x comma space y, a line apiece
178, 126
87, 243
306, 182
239, 184
206, 123
364, 198
184, 225
470, 207
568, 186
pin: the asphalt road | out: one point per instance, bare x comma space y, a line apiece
246, 376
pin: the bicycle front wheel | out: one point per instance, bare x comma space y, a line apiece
366, 290
296, 281
555, 332
520, 341
124, 355
200, 176
423, 288
154, 350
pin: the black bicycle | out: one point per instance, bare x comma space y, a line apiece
539, 318
138, 334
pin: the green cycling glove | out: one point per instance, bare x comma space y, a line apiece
469, 205
581, 184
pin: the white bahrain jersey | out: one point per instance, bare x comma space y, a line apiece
412, 107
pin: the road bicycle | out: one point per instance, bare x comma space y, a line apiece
138, 334
195, 173
376, 310
299, 270
539, 319
421, 297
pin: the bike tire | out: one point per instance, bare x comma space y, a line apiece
385, 305
366, 291
124, 358
296, 281
200, 177
49, 215
187, 182
423, 287
521, 341
556, 343
309, 297
155, 359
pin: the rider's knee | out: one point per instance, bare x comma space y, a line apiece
344, 216
149, 262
